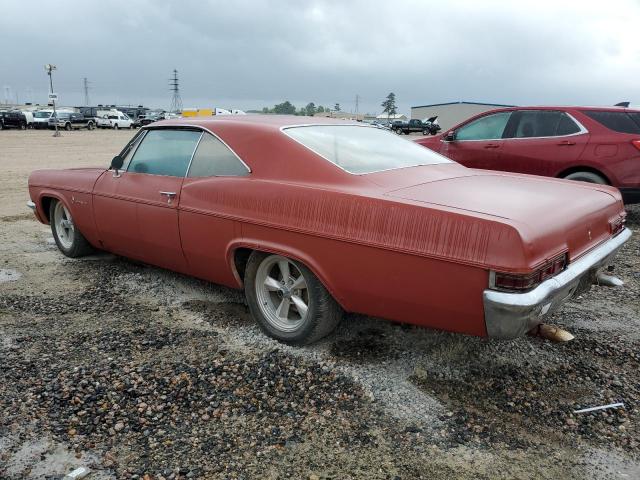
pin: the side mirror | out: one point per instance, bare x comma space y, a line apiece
450, 136
117, 162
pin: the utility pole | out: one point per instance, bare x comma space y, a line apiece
49, 69
85, 83
176, 101
357, 104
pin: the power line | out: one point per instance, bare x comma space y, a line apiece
85, 83
176, 101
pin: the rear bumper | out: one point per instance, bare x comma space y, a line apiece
630, 195
510, 315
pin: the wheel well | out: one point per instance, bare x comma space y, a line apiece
240, 259
46, 204
571, 170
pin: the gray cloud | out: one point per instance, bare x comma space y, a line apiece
249, 54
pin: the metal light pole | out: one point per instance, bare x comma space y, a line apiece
49, 68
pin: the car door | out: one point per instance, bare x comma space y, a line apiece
478, 144
136, 208
542, 142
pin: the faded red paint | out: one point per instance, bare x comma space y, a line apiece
413, 245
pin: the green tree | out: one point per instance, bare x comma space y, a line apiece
320, 109
284, 108
389, 105
336, 107
310, 109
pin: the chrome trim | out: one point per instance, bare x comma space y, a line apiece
193, 154
283, 128
152, 126
510, 315
31, 205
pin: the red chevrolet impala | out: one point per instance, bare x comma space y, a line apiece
323, 217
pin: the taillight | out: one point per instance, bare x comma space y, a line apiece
616, 225
636, 143
528, 281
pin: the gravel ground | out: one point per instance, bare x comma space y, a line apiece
138, 372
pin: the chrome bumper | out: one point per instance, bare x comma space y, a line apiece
31, 205
510, 315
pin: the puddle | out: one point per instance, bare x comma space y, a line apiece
9, 275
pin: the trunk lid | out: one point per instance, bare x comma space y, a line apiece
551, 215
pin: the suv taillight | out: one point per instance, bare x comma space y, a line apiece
528, 281
636, 143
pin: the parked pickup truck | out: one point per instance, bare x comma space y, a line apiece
12, 119
71, 121
114, 120
428, 127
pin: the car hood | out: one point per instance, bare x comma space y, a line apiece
552, 215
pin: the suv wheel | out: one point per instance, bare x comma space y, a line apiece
115, 126
589, 177
67, 127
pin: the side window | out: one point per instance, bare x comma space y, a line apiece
621, 122
165, 152
214, 159
567, 126
490, 127
544, 123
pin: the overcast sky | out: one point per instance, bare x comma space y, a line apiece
250, 54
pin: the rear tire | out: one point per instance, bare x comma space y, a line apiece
589, 177
288, 301
68, 127
68, 238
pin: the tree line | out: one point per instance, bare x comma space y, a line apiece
287, 108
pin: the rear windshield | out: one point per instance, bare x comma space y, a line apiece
622, 122
360, 150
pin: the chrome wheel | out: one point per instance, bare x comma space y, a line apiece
281, 293
64, 225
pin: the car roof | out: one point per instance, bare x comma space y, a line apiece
566, 107
274, 122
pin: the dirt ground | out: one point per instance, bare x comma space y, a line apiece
137, 372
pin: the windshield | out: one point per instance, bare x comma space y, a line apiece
42, 114
360, 150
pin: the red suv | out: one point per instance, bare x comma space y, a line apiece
592, 144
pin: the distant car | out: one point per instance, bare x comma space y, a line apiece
114, 120
590, 144
313, 220
71, 121
41, 118
12, 119
151, 118
413, 125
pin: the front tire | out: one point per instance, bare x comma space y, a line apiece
68, 238
115, 126
288, 301
589, 177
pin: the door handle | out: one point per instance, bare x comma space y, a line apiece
566, 143
170, 196
492, 145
